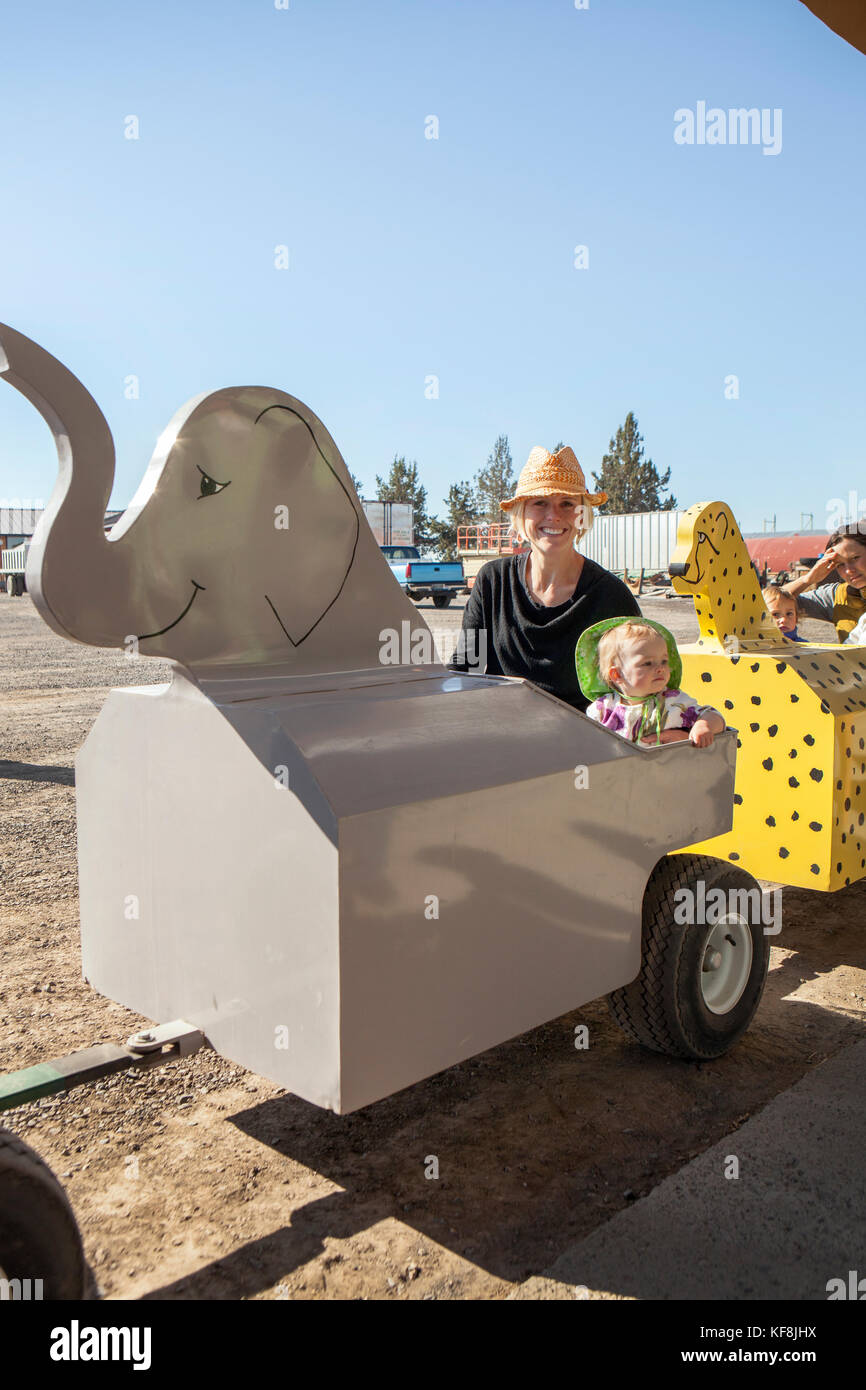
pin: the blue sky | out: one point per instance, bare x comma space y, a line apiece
411, 257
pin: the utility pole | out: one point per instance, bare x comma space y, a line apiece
807, 516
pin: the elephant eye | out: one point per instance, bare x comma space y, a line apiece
209, 486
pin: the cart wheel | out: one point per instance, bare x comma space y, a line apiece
441, 600
699, 984
39, 1236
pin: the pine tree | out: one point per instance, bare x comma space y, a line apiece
495, 482
357, 485
632, 482
404, 485
459, 511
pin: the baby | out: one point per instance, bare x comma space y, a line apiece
633, 668
784, 610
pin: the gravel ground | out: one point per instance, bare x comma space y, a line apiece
200, 1180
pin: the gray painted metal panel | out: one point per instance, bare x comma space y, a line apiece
307, 908
233, 880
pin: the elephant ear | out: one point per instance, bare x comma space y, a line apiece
322, 525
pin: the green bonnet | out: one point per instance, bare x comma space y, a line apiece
592, 683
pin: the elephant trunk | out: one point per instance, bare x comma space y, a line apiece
72, 570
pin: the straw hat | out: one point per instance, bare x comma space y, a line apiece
545, 474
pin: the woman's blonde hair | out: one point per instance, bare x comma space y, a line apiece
583, 512
611, 644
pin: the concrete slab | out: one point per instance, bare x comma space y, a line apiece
793, 1219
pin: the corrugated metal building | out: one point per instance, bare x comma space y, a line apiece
18, 523
638, 541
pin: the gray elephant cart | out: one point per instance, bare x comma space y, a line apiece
343, 872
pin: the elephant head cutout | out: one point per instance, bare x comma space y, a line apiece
244, 547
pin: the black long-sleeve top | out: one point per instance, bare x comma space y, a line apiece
506, 632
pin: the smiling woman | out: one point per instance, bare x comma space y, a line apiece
526, 611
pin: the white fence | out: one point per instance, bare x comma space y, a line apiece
641, 540
14, 561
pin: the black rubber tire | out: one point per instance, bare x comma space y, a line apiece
39, 1235
663, 1008
441, 600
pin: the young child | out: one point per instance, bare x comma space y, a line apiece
633, 669
784, 610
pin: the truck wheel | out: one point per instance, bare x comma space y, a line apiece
441, 600
39, 1236
700, 980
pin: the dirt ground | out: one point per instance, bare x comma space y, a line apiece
202, 1181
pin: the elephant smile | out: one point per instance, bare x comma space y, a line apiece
195, 588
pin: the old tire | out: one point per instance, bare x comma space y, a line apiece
441, 600
39, 1235
699, 984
